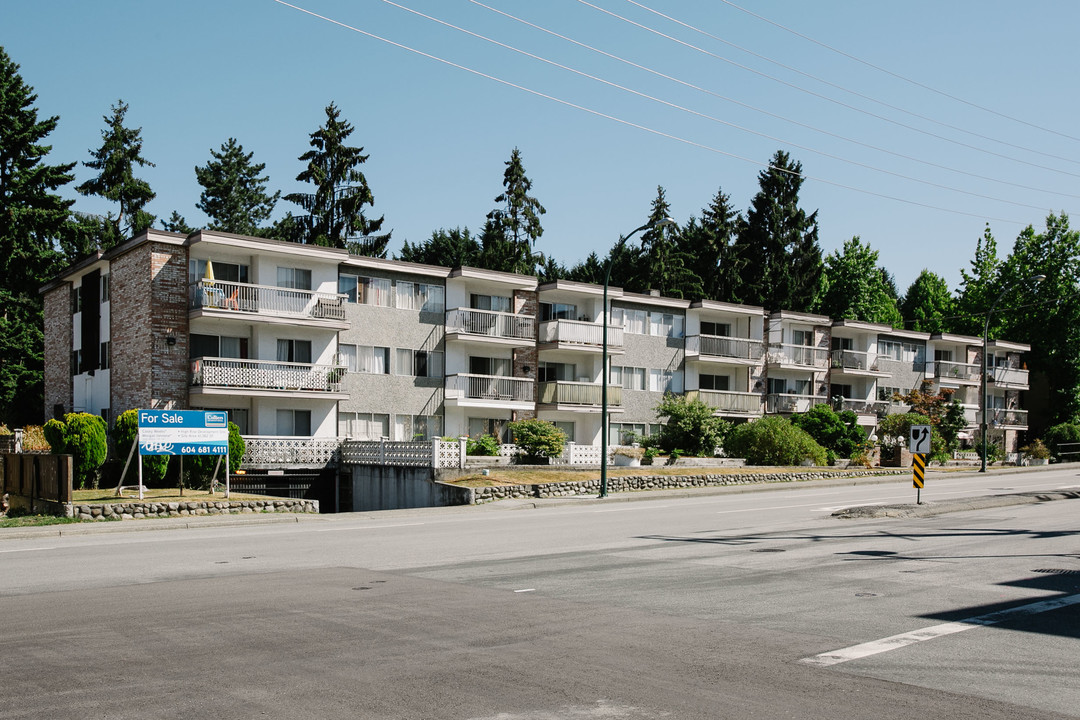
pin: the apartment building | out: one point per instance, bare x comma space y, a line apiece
304, 346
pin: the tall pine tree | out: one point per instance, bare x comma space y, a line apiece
663, 265
115, 161
778, 245
979, 288
234, 193
709, 246
334, 211
511, 231
449, 248
33, 222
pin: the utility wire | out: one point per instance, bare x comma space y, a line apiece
635, 125
916, 83
805, 74
824, 97
777, 116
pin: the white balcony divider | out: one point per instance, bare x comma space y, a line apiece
855, 360
799, 355
265, 374
491, 323
731, 401
578, 332
489, 387
266, 300
947, 369
575, 393
786, 403
723, 346
262, 450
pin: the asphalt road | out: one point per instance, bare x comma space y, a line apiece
713, 605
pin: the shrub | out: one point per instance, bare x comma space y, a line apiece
994, 453
81, 435
895, 430
836, 432
200, 468
486, 445
1059, 435
33, 439
1036, 449
773, 441
125, 433
538, 439
690, 427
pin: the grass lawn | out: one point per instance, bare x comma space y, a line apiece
539, 476
108, 495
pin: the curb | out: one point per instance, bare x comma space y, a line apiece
940, 507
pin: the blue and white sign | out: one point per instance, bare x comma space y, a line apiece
183, 432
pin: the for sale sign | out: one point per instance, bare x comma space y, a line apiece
183, 432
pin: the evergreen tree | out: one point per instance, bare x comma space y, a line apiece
448, 248
979, 288
709, 246
778, 244
663, 265
234, 191
928, 306
552, 270
177, 224
853, 286
589, 270
510, 232
115, 161
335, 210
33, 221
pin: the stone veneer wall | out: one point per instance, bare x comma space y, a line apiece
58, 341
629, 483
137, 510
526, 303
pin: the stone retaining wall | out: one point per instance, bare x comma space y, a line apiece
629, 483
137, 510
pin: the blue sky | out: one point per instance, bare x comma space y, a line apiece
199, 71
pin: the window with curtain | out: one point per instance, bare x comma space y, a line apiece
489, 366
716, 328
373, 359
294, 423
418, 363
292, 278
294, 351
348, 356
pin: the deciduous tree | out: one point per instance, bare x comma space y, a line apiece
928, 305
853, 286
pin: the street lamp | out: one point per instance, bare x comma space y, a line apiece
986, 332
662, 223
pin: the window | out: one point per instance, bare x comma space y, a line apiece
489, 366
665, 325
373, 359
293, 351
106, 355
842, 343
557, 311
419, 296
418, 363
885, 393
792, 387
215, 346
496, 303
417, 427
366, 290
633, 321
844, 391
665, 381
294, 423
348, 356
228, 272
902, 351
292, 278
715, 328
802, 337
104, 288
943, 355
714, 382
76, 362
553, 371
364, 426
630, 378
627, 433
567, 426
76, 300
488, 426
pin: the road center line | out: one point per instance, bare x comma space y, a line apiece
875, 647
27, 549
369, 527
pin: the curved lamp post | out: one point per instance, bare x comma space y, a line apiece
986, 332
604, 368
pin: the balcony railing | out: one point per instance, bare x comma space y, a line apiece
491, 323
265, 300
578, 332
1009, 376
730, 401
264, 374
1002, 416
274, 450
806, 355
855, 360
859, 406
575, 393
785, 403
946, 369
726, 347
489, 387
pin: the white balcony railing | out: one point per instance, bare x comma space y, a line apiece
264, 374
726, 347
1006, 376
1004, 417
946, 370
805, 355
491, 323
855, 360
578, 332
265, 300
278, 450
574, 393
730, 401
489, 387
860, 406
785, 403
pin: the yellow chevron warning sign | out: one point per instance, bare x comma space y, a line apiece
918, 466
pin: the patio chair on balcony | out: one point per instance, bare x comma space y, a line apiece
232, 302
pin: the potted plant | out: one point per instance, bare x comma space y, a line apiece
1036, 453
628, 456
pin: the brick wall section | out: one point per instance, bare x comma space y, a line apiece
525, 303
169, 317
58, 389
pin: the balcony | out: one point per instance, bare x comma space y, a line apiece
856, 362
262, 377
1006, 377
490, 391
490, 326
729, 402
580, 335
1003, 418
949, 371
272, 452
787, 403
267, 301
716, 347
803, 356
578, 395
876, 408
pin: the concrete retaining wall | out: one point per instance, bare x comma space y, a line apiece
137, 510
384, 487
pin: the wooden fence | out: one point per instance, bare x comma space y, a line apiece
32, 479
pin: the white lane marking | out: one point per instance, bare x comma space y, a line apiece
26, 550
856, 652
627, 509
1068, 487
526, 590
370, 527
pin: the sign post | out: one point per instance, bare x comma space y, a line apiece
919, 443
184, 432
